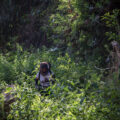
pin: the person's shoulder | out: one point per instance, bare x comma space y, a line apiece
49, 73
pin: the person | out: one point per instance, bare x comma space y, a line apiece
44, 76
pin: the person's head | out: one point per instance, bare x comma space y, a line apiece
44, 68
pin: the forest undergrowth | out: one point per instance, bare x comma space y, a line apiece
78, 94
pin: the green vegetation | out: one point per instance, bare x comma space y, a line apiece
78, 93
75, 37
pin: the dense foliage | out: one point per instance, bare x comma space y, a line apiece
21, 21
75, 36
79, 92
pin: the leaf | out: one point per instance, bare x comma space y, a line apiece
8, 90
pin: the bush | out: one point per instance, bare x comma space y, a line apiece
7, 71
